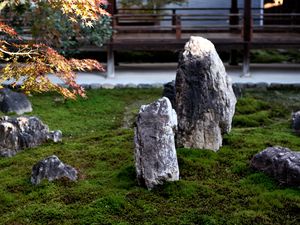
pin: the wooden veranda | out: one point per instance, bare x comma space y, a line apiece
228, 28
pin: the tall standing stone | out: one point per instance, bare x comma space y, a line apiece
205, 102
155, 153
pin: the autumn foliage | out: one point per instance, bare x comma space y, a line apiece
29, 64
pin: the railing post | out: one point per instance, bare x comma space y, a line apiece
233, 21
247, 36
173, 19
112, 9
110, 61
178, 27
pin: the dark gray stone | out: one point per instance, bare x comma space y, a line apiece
15, 102
205, 102
23, 132
296, 122
170, 92
237, 90
155, 153
52, 168
280, 163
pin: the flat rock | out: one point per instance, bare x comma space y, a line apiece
205, 101
155, 153
52, 168
280, 163
23, 132
14, 102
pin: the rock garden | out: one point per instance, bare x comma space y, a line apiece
194, 152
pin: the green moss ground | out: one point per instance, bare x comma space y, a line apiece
215, 188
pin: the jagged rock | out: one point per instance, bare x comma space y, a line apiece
296, 122
11, 101
205, 102
155, 153
23, 132
52, 168
170, 92
280, 163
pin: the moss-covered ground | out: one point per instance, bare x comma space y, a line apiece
215, 188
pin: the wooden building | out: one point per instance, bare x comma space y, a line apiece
228, 28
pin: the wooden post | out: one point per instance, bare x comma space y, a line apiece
110, 61
233, 21
178, 27
247, 36
173, 19
112, 9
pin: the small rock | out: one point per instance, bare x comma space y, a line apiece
157, 85
108, 86
155, 153
296, 122
95, 86
118, 86
131, 85
237, 90
11, 101
280, 163
52, 168
23, 132
144, 86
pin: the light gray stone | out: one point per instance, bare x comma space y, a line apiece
280, 163
95, 86
23, 132
131, 85
205, 102
15, 102
52, 168
108, 86
155, 153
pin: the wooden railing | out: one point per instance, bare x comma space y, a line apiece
244, 23
181, 20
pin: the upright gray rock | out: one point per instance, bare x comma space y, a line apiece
280, 163
23, 132
155, 153
296, 122
52, 168
205, 102
11, 101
